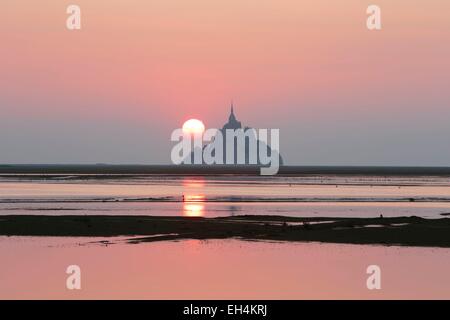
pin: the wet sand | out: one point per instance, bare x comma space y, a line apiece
405, 231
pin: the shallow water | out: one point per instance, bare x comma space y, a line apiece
328, 196
35, 268
206, 209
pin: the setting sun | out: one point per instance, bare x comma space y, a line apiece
193, 126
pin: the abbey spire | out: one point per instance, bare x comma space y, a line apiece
232, 123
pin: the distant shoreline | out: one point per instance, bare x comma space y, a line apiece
403, 231
109, 169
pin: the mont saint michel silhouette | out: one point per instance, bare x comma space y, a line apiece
234, 124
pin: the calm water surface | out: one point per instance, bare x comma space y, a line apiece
228, 195
218, 269
34, 267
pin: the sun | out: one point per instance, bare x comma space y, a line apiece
193, 126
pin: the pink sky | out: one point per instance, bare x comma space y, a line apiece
116, 89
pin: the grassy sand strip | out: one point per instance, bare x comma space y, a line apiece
407, 231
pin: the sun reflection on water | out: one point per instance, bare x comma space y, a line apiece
193, 210
193, 199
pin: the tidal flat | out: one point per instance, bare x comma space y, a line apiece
403, 231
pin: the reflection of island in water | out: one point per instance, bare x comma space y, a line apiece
234, 124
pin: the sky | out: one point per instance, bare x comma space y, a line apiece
114, 91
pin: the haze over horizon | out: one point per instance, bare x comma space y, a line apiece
113, 91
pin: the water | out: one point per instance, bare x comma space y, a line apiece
35, 268
324, 196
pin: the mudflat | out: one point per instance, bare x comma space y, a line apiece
404, 231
